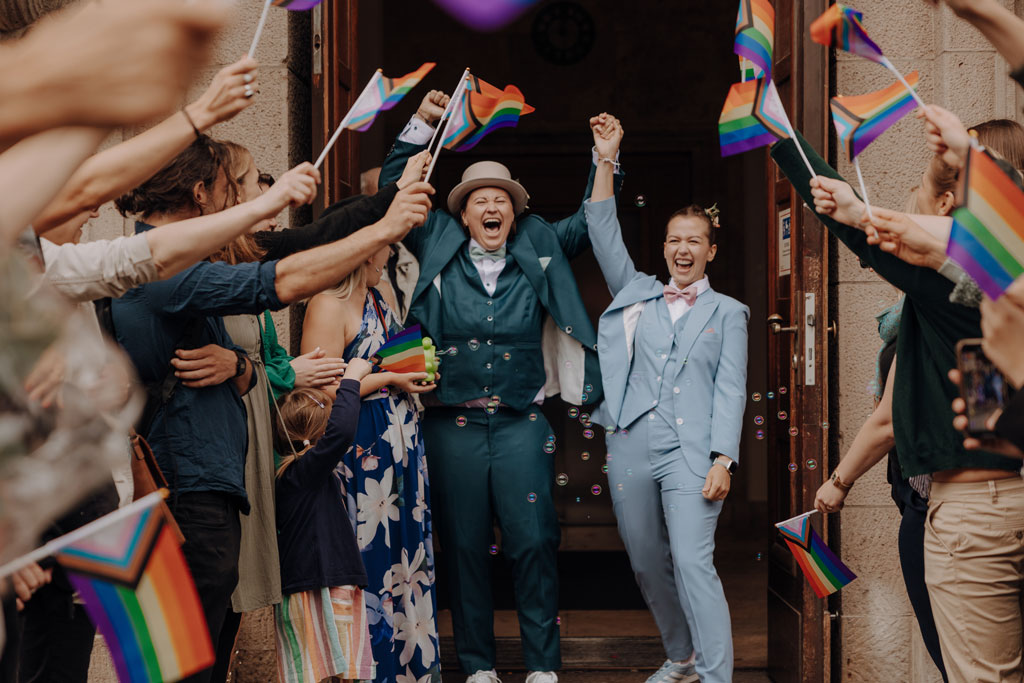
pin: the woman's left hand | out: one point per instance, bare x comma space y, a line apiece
608, 134
717, 483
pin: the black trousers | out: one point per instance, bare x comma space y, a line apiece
56, 637
911, 547
213, 534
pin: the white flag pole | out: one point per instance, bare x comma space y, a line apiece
799, 147
793, 519
863, 190
58, 544
344, 121
917, 98
259, 29
447, 112
455, 102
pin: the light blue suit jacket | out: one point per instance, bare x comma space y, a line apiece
711, 349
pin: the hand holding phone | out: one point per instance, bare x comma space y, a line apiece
982, 387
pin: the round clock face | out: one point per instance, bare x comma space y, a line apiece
563, 33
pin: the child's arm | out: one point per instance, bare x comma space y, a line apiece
311, 468
406, 381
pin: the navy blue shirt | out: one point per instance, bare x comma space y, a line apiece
199, 437
314, 534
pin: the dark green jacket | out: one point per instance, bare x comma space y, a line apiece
542, 249
925, 346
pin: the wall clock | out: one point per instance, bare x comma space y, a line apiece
563, 33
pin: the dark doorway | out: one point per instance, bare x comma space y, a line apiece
664, 68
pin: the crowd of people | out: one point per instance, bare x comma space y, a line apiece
311, 483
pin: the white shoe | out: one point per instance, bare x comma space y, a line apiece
542, 677
484, 677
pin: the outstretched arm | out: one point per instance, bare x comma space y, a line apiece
109, 174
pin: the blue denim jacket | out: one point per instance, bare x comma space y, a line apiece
200, 436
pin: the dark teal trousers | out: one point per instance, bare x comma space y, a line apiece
486, 467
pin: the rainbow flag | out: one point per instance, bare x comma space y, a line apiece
987, 239
483, 110
485, 15
297, 5
129, 571
755, 34
753, 116
860, 119
824, 571
382, 94
841, 27
403, 352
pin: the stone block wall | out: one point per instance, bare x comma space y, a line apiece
959, 70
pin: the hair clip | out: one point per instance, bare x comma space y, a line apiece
712, 214
305, 442
317, 402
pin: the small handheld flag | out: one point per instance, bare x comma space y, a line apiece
824, 571
755, 34
294, 5
842, 27
483, 109
987, 239
752, 117
129, 571
380, 94
861, 119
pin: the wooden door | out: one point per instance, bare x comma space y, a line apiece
334, 71
797, 410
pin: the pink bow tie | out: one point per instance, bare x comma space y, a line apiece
673, 294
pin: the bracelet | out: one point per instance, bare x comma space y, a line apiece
839, 483
615, 164
192, 123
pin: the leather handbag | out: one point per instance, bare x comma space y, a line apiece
147, 478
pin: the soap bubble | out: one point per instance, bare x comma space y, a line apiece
629, 472
491, 409
532, 417
640, 201
551, 437
452, 351
584, 398
507, 356
604, 469
585, 455
759, 419
562, 479
588, 433
549, 447
577, 499
558, 620
771, 395
596, 489
461, 420
759, 434
574, 412
532, 497
625, 432
792, 467
609, 430
493, 550
782, 390
588, 388
824, 425
755, 397
758, 557
568, 363
384, 391
584, 417
793, 431
618, 486
474, 344
783, 415
812, 464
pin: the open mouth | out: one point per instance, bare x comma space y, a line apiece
492, 226
683, 264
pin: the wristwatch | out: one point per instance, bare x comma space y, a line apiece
726, 462
240, 368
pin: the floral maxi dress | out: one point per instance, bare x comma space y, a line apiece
384, 479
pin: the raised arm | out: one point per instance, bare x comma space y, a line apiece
600, 211
316, 465
112, 172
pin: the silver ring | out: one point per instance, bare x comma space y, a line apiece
249, 92
247, 78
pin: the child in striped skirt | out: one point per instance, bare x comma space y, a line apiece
321, 623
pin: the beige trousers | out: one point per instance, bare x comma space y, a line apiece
974, 564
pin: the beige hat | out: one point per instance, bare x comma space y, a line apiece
488, 174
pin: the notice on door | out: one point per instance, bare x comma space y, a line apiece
785, 242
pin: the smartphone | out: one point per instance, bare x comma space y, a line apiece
982, 386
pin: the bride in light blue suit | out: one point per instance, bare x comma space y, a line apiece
674, 365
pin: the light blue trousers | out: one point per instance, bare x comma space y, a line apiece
669, 531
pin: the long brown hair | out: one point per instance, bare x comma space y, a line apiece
302, 421
1004, 136
244, 248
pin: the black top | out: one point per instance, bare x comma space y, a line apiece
929, 329
314, 535
337, 222
1011, 423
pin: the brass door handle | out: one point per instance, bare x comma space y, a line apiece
833, 329
775, 325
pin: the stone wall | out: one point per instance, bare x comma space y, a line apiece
960, 71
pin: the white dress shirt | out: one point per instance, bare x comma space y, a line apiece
679, 307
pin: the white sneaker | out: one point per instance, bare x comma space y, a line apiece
542, 677
484, 677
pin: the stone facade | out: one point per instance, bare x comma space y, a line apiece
962, 72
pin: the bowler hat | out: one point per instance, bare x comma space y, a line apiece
488, 174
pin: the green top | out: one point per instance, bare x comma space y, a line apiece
925, 346
276, 360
